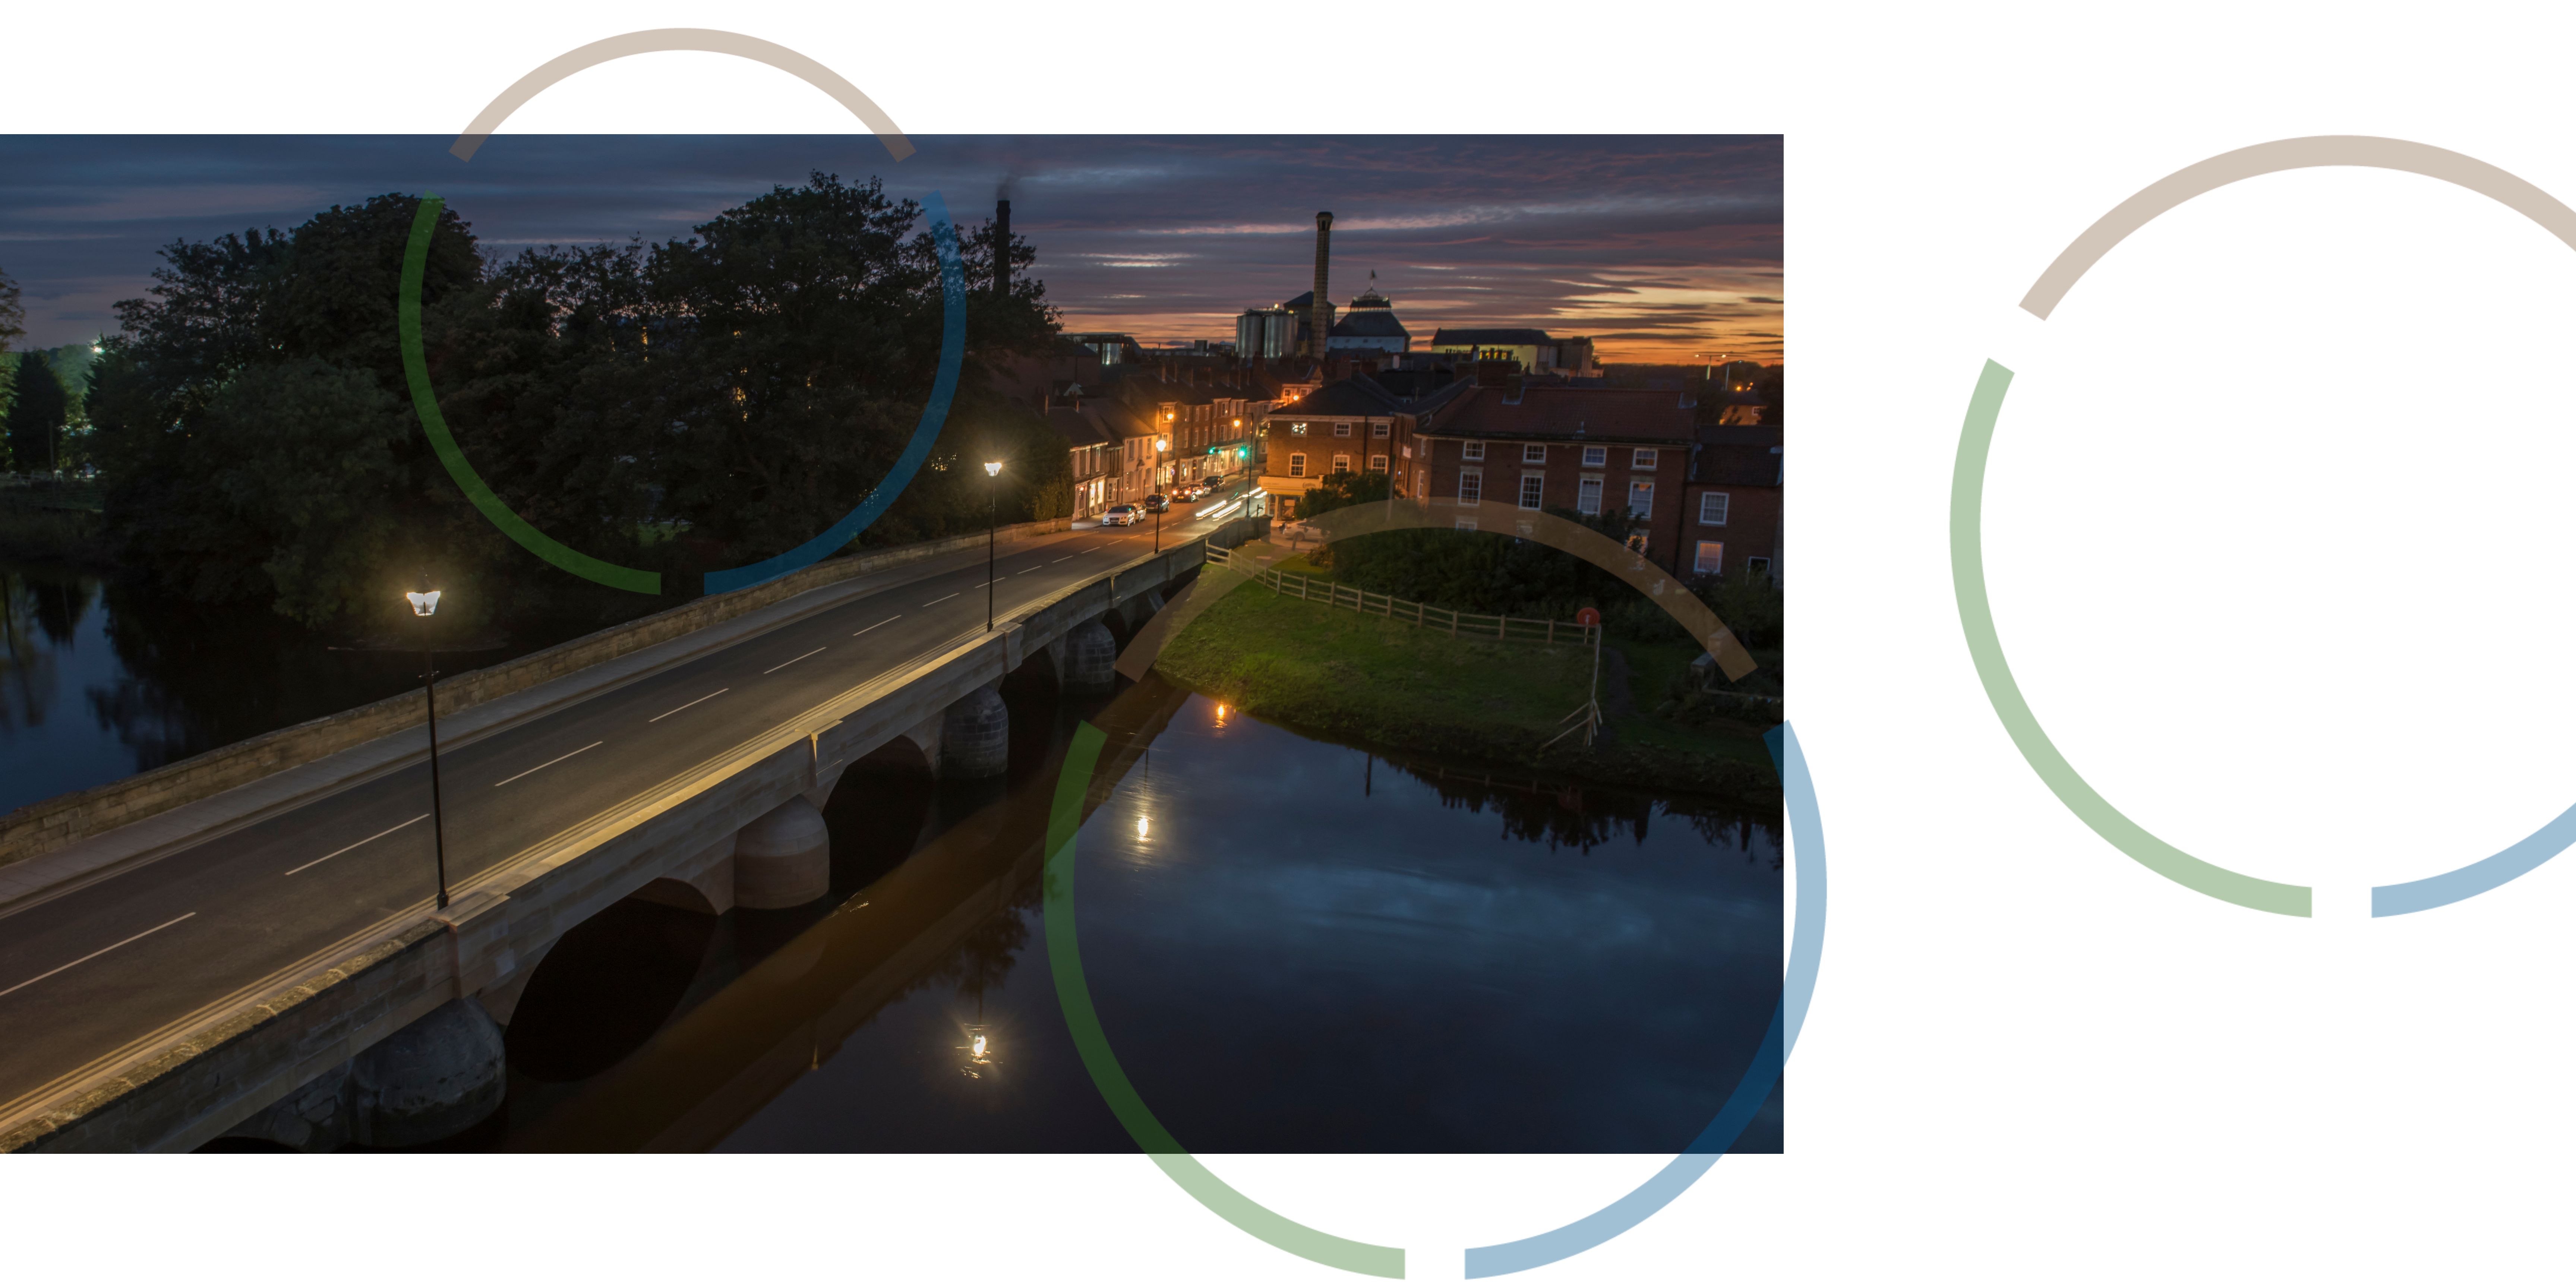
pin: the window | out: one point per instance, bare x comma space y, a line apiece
1341, 465
1637, 542
1534, 453
1756, 563
1531, 487
1587, 497
1712, 509
1342, 430
1377, 431
1711, 557
1464, 525
1641, 499
1296, 465
1296, 427
1378, 463
1643, 460
1472, 451
1595, 457
1471, 485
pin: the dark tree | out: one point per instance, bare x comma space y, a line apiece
38, 409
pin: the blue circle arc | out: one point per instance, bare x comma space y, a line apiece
1797, 988
934, 415
2477, 878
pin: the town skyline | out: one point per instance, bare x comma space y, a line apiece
1661, 248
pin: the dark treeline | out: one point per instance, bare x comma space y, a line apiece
694, 404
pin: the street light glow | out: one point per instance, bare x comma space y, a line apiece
992, 469
1142, 823
422, 604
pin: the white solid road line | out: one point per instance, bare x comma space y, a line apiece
865, 629
690, 703
792, 661
353, 845
4, 992
556, 761
944, 598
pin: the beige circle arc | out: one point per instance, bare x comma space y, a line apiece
682, 40
2366, 151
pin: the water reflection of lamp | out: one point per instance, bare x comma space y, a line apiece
1141, 824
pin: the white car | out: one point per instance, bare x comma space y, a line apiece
1118, 516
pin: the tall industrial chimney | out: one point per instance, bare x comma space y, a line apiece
1002, 248
1323, 255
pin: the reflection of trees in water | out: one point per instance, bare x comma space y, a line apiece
39, 614
1580, 817
984, 958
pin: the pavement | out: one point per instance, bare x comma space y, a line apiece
173, 929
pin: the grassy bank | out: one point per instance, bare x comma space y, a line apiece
51, 523
1371, 680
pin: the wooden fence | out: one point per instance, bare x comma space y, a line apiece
1492, 626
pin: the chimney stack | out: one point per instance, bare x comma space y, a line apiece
1002, 248
1323, 255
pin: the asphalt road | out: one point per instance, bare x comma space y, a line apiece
87, 973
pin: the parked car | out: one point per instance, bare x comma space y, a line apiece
1118, 516
1157, 503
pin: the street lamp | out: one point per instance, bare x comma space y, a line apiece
992, 524
1161, 445
424, 603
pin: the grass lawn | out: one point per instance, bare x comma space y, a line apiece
1372, 680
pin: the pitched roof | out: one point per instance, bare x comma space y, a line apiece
1372, 323
1565, 411
1490, 335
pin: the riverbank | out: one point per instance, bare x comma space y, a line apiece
46, 522
1371, 680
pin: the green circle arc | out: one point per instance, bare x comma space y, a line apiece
424, 401
1977, 620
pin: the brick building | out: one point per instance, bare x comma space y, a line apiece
1362, 422
1731, 506
1585, 449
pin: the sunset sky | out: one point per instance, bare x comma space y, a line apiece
1659, 247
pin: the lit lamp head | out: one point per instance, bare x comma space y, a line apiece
424, 603
992, 469
1162, 444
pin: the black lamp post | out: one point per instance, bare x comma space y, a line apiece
992, 525
424, 603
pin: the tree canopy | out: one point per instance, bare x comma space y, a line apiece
695, 404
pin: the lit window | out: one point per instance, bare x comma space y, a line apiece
1473, 451
1471, 485
1341, 465
1643, 460
1587, 497
1595, 457
1637, 542
1641, 499
1531, 486
1296, 465
1711, 557
1342, 429
1534, 453
1712, 508
1378, 463
1297, 427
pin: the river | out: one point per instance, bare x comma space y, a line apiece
1293, 945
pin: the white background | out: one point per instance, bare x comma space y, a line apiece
2279, 553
